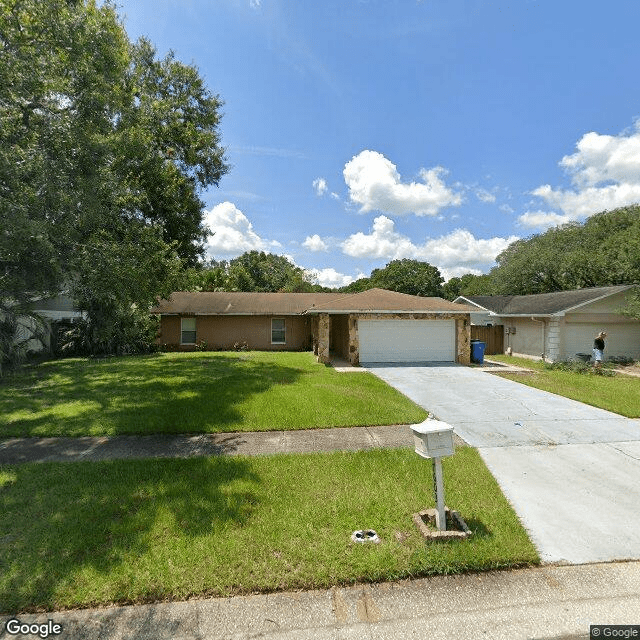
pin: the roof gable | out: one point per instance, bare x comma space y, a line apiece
384, 300
543, 304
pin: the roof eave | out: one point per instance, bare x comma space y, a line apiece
381, 311
598, 298
228, 313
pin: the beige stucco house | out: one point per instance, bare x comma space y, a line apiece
560, 325
371, 326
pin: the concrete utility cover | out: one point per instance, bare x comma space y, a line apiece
571, 471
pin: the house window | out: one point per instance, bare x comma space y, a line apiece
278, 334
188, 330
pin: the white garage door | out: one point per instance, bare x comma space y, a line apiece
407, 340
622, 339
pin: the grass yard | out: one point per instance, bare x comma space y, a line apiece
194, 393
84, 534
619, 393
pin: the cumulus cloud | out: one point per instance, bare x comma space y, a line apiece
332, 278
375, 184
456, 272
605, 174
459, 249
231, 232
315, 243
320, 186
542, 219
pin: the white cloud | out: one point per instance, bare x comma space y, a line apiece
601, 158
320, 186
255, 4
456, 272
375, 184
382, 242
542, 219
454, 251
332, 278
231, 232
578, 205
315, 243
485, 196
605, 174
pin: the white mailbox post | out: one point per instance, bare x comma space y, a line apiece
434, 439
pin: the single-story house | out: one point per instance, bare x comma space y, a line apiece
372, 326
560, 325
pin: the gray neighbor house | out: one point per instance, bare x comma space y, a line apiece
558, 326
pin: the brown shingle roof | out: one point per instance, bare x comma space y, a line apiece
238, 303
543, 303
390, 301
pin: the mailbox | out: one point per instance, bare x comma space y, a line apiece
433, 438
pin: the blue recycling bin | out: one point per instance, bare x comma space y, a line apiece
477, 351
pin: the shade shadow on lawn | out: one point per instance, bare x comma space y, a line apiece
75, 526
86, 534
194, 393
159, 393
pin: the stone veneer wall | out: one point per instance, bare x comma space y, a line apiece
463, 331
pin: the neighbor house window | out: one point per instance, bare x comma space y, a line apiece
188, 331
278, 335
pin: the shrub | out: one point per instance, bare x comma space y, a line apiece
241, 345
125, 333
202, 345
578, 366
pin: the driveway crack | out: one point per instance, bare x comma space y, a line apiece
626, 453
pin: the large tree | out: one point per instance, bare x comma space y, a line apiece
603, 251
103, 150
256, 271
405, 276
469, 284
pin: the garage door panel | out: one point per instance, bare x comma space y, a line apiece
406, 340
623, 339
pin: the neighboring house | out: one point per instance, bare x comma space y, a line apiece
372, 326
58, 313
557, 326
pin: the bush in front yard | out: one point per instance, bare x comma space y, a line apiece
578, 366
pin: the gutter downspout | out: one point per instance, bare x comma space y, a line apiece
544, 336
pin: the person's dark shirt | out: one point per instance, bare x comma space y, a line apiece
598, 343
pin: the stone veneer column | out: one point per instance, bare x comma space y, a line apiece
323, 337
463, 331
354, 345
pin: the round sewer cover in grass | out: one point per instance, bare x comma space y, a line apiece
365, 535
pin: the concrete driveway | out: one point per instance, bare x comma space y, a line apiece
571, 471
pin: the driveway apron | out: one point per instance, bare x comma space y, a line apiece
571, 471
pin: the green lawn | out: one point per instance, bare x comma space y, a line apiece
83, 534
619, 393
194, 392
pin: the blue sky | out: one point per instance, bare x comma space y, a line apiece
362, 131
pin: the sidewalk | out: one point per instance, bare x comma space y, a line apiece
551, 602
20, 450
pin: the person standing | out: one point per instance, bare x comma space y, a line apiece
598, 349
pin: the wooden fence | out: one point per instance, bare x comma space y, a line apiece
493, 337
